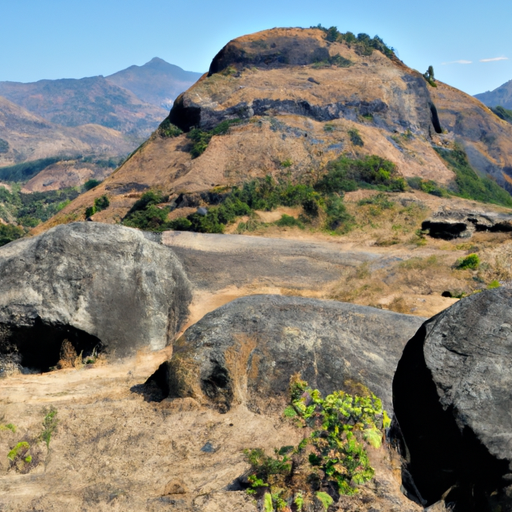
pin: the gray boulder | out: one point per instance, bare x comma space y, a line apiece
96, 285
247, 350
452, 396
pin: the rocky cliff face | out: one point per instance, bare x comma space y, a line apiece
298, 100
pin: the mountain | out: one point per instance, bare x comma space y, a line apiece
92, 100
500, 96
297, 103
25, 136
156, 82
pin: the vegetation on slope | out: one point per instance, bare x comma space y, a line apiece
469, 184
323, 198
363, 44
27, 170
28, 210
503, 113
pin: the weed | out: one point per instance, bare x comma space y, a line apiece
50, 422
333, 454
493, 284
9, 426
286, 163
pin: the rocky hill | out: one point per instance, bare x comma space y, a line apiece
289, 102
502, 96
92, 100
156, 82
25, 136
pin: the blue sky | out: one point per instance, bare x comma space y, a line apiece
469, 43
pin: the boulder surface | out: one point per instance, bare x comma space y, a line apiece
96, 285
247, 350
452, 396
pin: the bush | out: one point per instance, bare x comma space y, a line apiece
201, 138
472, 262
168, 130
346, 174
428, 186
355, 137
503, 113
101, 203
9, 232
90, 184
289, 221
332, 454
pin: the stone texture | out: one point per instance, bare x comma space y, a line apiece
452, 396
89, 282
449, 224
246, 351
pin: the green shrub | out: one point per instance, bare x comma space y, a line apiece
355, 137
90, 184
168, 130
200, 138
428, 186
469, 184
346, 174
90, 211
334, 451
101, 203
50, 422
472, 262
9, 232
381, 200
493, 284
289, 221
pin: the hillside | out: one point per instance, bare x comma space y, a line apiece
289, 103
26, 136
92, 100
502, 96
156, 82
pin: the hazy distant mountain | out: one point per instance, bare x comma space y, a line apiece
500, 96
25, 137
156, 82
93, 100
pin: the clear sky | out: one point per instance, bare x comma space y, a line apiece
469, 42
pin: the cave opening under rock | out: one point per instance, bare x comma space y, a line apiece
38, 348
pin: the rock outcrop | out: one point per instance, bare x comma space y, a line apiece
449, 224
298, 96
452, 396
246, 351
93, 284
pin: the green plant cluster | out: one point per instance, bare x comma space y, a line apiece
471, 262
24, 455
168, 130
332, 459
503, 113
346, 174
469, 184
90, 184
325, 197
355, 137
100, 203
333, 60
362, 43
428, 186
201, 138
429, 76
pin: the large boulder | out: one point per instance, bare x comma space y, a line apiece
247, 350
452, 396
96, 285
